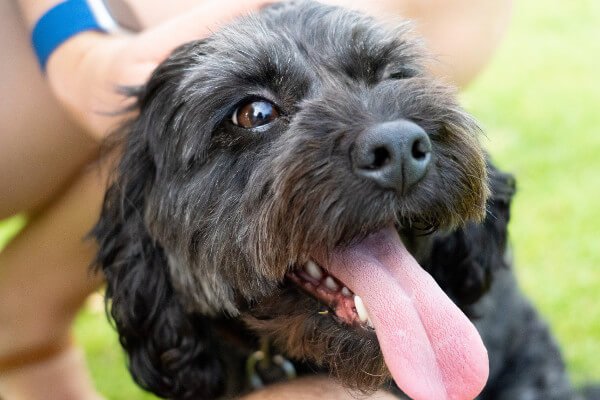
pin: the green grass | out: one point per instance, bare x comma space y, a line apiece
539, 103
9, 227
105, 358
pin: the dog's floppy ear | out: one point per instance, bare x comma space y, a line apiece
170, 352
464, 261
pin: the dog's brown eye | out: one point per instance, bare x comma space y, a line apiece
254, 114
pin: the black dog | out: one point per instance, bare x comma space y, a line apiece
270, 188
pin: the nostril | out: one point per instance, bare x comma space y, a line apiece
381, 157
372, 157
420, 149
394, 154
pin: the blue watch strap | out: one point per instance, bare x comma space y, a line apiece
58, 24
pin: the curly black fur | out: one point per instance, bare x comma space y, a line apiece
203, 219
466, 259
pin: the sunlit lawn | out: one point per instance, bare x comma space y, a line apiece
539, 103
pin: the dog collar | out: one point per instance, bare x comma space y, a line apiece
263, 368
67, 19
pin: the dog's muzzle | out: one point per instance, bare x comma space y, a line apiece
395, 154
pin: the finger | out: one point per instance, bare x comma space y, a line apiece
155, 44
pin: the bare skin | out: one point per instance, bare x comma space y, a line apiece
313, 388
41, 148
51, 130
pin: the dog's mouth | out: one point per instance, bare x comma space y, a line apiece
332, 293
430, 347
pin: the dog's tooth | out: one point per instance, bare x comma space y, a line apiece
330, 284
346, 292
363, 315
313, 270
370, 323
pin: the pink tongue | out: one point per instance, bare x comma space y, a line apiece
430, 347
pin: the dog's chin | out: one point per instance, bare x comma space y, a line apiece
311, 324
350, 307
316, 317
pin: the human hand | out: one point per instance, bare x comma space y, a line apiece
86, 71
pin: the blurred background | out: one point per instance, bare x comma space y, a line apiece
539, 104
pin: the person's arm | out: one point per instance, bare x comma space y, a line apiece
85, 71
314, 388
32, 10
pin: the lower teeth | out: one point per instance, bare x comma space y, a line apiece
361, 310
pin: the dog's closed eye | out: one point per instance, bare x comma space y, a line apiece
254, 113
395, 73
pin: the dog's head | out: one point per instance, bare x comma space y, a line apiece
303, 135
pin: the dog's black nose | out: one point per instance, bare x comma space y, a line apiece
394, 154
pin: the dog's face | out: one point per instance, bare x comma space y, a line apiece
267, 164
